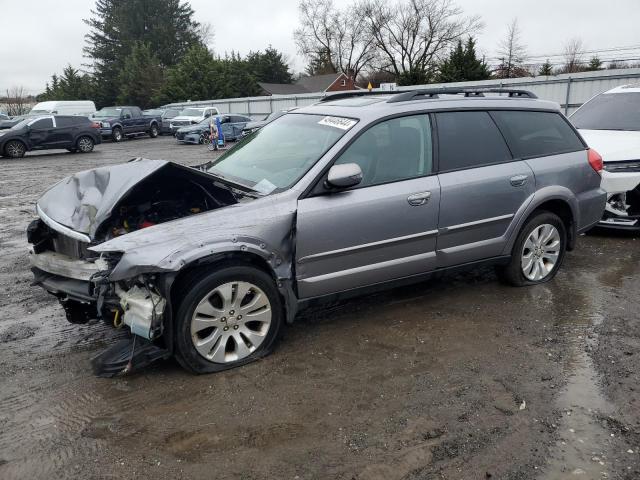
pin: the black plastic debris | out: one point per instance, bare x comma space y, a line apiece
126, 356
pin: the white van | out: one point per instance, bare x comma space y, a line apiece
64, 107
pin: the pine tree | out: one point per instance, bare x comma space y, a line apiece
270, 66
594, 64
166, 26
546, 69
140, 78
463, 64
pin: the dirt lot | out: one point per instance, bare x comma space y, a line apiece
456, 378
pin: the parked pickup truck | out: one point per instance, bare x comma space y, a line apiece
120, 122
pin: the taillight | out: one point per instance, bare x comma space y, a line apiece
595, 160
95, 124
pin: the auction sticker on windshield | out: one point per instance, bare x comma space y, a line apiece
338, 122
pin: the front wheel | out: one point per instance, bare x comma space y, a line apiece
85, 144
227, 318
116, 134
538, 251
153, 132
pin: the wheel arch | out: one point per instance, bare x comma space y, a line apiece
557, 200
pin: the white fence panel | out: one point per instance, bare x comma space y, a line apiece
569, 90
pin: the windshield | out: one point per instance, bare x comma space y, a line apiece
21, 123
274, 115
108, 112
38, 112
153, 113
278, 155
610, 111
191, 112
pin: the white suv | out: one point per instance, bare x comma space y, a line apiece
610, 123
191, 116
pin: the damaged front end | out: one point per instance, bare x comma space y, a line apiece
81, 215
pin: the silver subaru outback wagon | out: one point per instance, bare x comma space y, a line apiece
355, 193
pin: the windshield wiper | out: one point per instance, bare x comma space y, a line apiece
252, 192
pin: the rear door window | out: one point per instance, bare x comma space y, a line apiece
536, 134
468, 140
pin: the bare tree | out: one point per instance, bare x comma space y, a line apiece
413, 36
205, 33
16, 101
512, 53
335, 37
573, 52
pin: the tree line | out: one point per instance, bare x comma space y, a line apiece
152, 52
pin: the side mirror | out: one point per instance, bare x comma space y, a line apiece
344, 176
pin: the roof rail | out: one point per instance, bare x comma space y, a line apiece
467, 92
338, 96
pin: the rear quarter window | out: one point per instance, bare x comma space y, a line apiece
536, 134
469, 139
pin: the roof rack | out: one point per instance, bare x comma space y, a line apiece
467, 92
338, 96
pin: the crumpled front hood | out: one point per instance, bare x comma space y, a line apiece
614, 145
84, 200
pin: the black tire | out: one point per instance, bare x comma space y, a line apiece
117, 135
15, 149
153, 131
513, 273
85, 144
196, 288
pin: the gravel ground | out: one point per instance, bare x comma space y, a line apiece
456, 378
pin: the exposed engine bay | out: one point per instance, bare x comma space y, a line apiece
167, 195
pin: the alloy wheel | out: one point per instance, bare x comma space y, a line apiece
15, 149
85, 145
540, 252
231, 322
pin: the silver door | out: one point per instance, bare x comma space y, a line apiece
382, 230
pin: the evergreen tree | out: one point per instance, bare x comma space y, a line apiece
546, 69
71, 85
140, 78
270, 66
194, 78
594, 64
463, 64
166, 26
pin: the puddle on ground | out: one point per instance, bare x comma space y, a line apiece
584, 445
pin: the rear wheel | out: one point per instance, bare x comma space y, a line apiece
85, 144
227, 318
538, 252
116, 134
15, 149
153, 132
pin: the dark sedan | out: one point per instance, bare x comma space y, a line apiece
232, 126
74, 133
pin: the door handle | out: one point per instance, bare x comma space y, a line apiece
418, 199
518, 180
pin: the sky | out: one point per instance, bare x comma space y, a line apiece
53, 35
